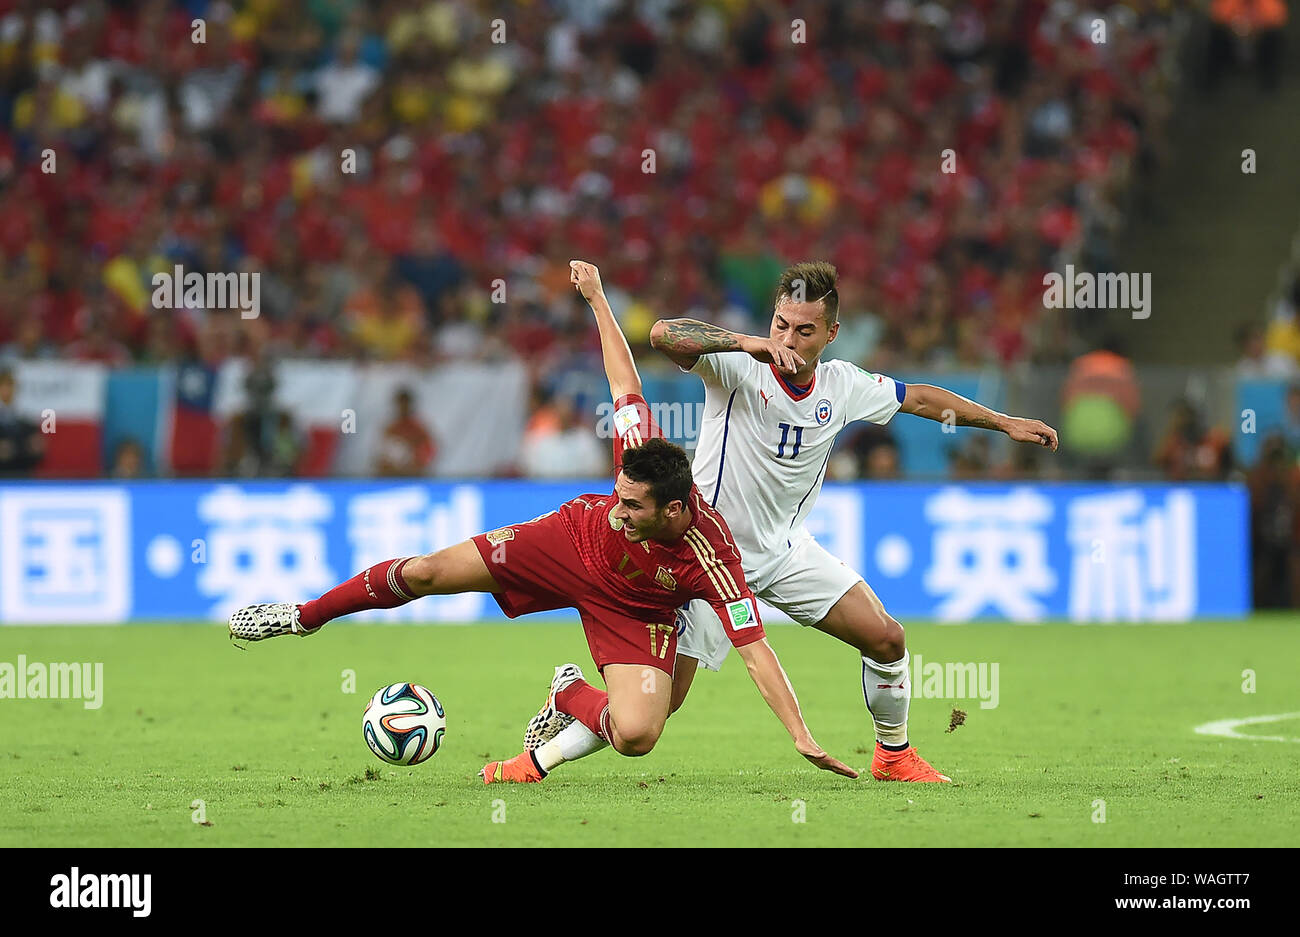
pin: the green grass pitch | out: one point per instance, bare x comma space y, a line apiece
271, 744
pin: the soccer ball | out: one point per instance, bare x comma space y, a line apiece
404, 724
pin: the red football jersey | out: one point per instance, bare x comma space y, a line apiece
653, 578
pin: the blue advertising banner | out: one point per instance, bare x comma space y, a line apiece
115, 552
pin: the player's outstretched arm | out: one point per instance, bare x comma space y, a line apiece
935, 403
684, 340
766, 672
620, 368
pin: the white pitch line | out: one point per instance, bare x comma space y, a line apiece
1227, 728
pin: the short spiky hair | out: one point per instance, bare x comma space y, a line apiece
808, 282
663, 466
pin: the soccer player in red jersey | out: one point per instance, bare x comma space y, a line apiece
626, 561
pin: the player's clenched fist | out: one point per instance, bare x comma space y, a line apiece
1035, 431
586, 278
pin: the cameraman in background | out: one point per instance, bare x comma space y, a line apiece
21, 446
1274, 485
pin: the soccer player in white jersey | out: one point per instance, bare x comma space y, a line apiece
772, 410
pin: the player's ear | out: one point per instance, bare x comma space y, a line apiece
674, 508
835, 330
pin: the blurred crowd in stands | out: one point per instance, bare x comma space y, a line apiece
409, 187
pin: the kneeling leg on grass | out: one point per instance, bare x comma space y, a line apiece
629, 714
577, 741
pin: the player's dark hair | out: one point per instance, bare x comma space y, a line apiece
663, 466
808, 282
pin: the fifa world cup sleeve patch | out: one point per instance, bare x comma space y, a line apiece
742, 614
501, 535
625, 418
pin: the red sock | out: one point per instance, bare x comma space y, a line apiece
588, 705
380, 586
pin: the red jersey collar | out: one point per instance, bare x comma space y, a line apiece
791, 388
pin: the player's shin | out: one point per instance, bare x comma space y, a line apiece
572, 743
588, 705
888, 694
380, 586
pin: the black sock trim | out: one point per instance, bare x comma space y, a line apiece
894, 748
537, 764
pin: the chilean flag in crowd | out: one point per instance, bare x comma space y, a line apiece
195, 432
66, 404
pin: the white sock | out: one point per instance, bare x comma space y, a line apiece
577, 741
888, 692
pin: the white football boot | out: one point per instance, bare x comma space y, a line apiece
256, 622
549, 721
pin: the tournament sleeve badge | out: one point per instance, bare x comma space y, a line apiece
742, 614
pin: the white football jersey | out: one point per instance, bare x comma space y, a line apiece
764, 445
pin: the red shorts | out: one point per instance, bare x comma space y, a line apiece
539, 569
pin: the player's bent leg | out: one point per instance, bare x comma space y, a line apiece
683, 676
859, 619
552, 738
455, 569
394, 582
639, 700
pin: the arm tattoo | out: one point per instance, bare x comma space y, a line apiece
981, 420
691, 337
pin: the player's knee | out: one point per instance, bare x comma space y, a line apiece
423, 573
639, 740
892, 644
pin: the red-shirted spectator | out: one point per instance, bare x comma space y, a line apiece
407, 447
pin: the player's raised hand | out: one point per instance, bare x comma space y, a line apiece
586, 278
1035, 431
814, 753
770, 351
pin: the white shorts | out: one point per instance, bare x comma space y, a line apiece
806, 585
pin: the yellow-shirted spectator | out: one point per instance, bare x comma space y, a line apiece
811, 196
435, 22
252, 18
386, 319
476, 83
463, 113
413, 99
65, 110
1284, 336
488, 75
284, 101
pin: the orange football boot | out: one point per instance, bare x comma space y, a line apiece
907, 765
518, 770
